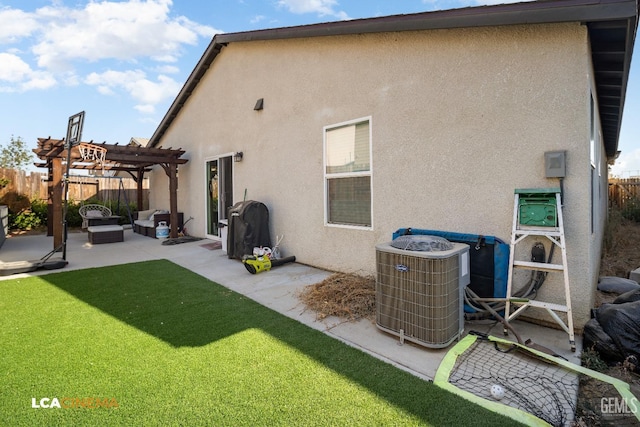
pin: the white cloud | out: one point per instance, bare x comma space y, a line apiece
70, 79
155, 92
135, 83
114, 30
16, 24
105, 90
321, 7
54, 44
114, 78
17, 76
13, 68
145, 109
257, 18
167, 69
39, 80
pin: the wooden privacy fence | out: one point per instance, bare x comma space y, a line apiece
106, 189
623, 191
17, 181
35, 186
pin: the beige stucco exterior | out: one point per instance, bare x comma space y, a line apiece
459, 119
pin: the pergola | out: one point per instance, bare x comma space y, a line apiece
132, 159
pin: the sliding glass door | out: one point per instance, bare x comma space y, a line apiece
219, 175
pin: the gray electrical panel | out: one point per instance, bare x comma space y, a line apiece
555, 165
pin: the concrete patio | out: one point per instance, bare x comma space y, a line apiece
276, 289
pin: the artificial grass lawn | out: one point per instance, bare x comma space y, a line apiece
170, 347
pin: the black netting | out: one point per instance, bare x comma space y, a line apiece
540, 387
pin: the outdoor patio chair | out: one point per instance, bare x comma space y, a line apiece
92, 211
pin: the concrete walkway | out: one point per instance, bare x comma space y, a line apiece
276, 289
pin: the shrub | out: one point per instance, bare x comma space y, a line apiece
40, 209
591, 359
21, 216
25, 215
73, 216
123, 211
28, 217
25, 220
632, 210
611, 227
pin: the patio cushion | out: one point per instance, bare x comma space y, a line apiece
144, 222
93, 214
144, 215
159, 211
104, 228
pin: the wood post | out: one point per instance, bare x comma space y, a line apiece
56, 201
50, 200
173, 199
140, 199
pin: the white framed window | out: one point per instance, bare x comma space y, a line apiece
347, 174
593, 153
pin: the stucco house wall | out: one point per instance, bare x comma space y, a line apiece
459, 119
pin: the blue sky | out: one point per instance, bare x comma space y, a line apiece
123, 62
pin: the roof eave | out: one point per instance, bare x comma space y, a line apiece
536, 12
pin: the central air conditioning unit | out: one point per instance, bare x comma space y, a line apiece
420, 289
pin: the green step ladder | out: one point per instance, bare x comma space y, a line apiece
538, 212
